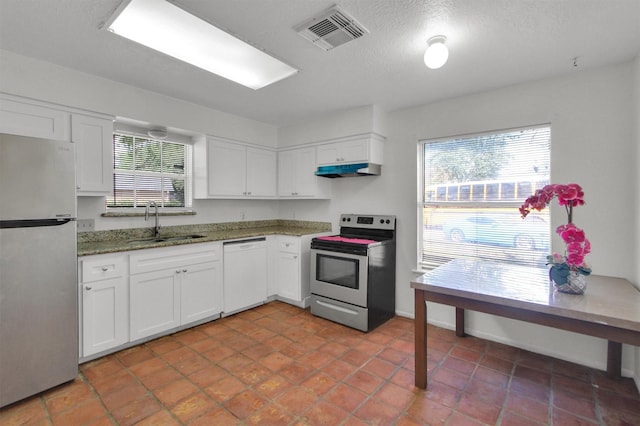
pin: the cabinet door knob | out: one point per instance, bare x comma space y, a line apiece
178, 271
87, 287
184, 270
295, 257
105, 269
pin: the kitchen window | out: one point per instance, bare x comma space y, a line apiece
470, 190
147, 169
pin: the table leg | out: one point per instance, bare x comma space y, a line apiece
420, 320
614, 360
459, 322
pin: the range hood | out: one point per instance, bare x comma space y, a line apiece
349, 170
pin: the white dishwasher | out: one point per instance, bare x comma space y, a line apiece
245, 274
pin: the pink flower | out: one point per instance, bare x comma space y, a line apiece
569, 196
570, 233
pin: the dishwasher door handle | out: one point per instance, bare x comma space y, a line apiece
247, 240
249, 246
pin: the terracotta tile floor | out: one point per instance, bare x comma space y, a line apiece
278, 365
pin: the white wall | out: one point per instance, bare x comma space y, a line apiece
593, 143
333, 125
44, 81
207, 211
591, 114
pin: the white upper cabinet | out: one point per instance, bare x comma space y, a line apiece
227, 169
296, 175
261, 172
91, 132
94, 154
33, 119
361, 150
230, 170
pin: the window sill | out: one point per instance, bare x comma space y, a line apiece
139, 214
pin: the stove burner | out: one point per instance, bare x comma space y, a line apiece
340, 239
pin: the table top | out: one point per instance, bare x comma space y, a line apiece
607, 300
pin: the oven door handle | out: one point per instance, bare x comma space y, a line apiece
336, 308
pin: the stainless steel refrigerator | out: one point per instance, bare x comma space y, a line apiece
38, 266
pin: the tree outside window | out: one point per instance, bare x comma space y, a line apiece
471, 189
149, 170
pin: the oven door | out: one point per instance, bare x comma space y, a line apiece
339, 276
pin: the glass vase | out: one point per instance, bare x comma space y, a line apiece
576, 284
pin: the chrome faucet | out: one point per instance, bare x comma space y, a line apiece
156, 229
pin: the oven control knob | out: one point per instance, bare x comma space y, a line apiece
388, 221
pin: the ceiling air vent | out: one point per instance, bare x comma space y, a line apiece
331, 28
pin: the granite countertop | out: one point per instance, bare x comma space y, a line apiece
119, 240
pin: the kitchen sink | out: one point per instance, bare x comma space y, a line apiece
162, 239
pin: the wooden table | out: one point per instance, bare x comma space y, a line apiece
609, 309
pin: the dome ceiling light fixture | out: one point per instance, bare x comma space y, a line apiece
437, 53
157, 133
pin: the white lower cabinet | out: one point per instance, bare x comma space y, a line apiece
199, 298
291, 272
174, 286
288, 268
155, 303
103, 303
129, 296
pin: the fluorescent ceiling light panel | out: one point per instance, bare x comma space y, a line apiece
165, 27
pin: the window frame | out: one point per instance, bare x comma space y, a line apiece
188, 174
421, 265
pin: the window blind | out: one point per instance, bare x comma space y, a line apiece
150, 170
472, 187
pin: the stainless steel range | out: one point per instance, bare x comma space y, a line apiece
353, 274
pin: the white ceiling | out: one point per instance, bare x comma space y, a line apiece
492, 43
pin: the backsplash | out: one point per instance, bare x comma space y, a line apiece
133, 233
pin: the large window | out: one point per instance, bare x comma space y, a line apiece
471, 188
150, 170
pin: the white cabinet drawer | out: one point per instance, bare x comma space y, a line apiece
289, 244
96, 268
172, 257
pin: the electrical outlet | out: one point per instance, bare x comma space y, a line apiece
85, 225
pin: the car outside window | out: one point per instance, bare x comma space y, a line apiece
470, 190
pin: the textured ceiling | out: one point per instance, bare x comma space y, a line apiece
492, 43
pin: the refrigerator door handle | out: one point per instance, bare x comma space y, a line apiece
30, 223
